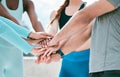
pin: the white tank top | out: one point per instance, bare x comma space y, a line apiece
17, 13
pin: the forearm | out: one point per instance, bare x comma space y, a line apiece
20, 30
38, 26
73, 26
76, 41
53, 27
7, 33
81, 19
29, 8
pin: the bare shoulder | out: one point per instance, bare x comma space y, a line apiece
53, 14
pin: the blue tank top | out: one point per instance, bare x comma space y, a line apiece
74, 56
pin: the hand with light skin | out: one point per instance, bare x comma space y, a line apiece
53, 49
44, 43
32, 41
52, 56
48, 59
40, 36
77, 40
44, 47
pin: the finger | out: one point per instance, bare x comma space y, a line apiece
46, 52
46, 42
48, 60
41, 53
38, 51
46, 35
49, 35
50, 52
44, 59
38, 60
41, 44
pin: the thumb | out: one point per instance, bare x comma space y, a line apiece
53, 43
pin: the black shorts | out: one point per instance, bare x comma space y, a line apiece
113, 73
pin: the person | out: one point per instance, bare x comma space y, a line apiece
13, 10
104, 54
13, 33
74, 64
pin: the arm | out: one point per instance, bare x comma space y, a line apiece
82, 18
29, 8
4, 13
24, 32
20, 30
7, 33
77, 40
11, 35
53, 27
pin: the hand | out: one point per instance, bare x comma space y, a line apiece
32, 41
53, 49
44, 43
40, 35
53, 58
38, 51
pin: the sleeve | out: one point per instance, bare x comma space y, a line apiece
116, 3
10, 35
20, 30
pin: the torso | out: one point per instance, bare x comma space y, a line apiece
14, 8
13, 5
65, 16
67, 13
105, 46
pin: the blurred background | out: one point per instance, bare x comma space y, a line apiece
43, 9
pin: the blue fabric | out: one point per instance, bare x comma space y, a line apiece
11, 61
11, 58
20, 30
8, 33
78, 56
75, 64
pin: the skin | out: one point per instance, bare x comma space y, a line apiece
28, 7
37, 37
53, 28
79, 23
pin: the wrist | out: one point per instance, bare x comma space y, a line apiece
60, 53
31, 35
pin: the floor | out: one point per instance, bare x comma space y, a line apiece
41, 70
